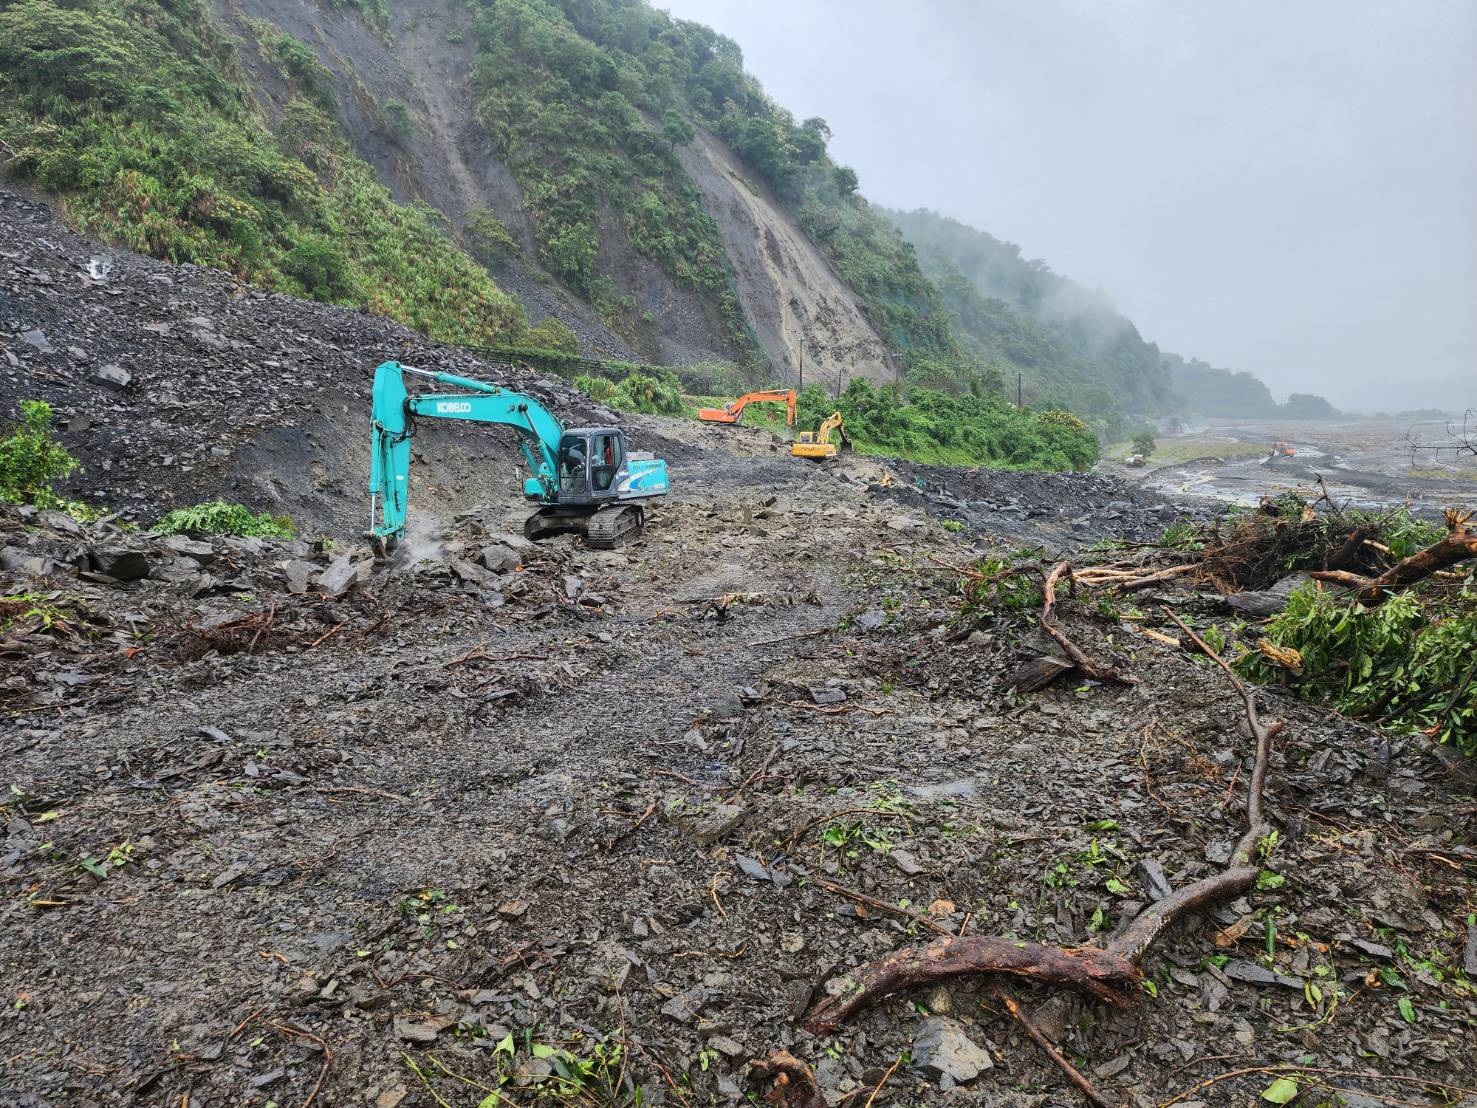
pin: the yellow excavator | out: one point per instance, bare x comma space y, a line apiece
817, 444
733, 411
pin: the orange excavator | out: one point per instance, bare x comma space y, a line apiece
731, 411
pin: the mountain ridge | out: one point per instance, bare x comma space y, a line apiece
592, 177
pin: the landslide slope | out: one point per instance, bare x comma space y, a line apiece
612, 169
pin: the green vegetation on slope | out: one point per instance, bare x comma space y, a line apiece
588, 101
136, 116
574, 120
927, 425
1068, 342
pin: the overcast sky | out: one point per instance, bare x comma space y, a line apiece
1284, 186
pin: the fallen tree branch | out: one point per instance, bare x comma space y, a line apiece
1048, 621
1458, 545
1132, 583
1074, 1075
1264, 733
1100, 974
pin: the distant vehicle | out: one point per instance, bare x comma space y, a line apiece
733, 411
1283, 450
1136, 461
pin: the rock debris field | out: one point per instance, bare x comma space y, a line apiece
285, 824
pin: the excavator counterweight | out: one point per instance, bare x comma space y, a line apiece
583, 478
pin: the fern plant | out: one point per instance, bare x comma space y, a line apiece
217, 517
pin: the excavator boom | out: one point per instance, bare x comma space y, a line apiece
734, 409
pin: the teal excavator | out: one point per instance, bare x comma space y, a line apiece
584, 479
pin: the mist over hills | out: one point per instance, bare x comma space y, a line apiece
585, 176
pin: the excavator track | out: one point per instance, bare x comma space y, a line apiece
614, 527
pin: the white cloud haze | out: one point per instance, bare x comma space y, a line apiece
1289, 188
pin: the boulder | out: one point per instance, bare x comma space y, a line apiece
187, 547
942, 1051
121, 563
297, 573
339, 577
13, 559
113, 376
500, 558
62, 523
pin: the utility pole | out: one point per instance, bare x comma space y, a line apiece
1017, 390
840, 380
801, 386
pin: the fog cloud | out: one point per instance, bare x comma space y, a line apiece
1289, 189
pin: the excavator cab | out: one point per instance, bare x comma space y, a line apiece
592, 465
598, 479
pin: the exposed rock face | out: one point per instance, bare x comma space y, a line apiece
802, 312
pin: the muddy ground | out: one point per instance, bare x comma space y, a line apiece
285, 824
1363, 462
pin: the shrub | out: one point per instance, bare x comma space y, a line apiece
713, 379
320, 266
554, 334
598, 389
1406, 663
30, 460
640, 392
217, 517
399, 117
1143, 441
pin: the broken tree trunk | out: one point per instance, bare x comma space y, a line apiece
1459, 545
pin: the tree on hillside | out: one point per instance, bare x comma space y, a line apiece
1307, 405
676, 128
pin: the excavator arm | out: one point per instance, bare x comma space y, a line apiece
734, 409
539, 432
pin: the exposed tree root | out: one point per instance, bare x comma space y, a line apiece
1133, 942
1074, 1075
1098, 973
792, 1082
1084, 664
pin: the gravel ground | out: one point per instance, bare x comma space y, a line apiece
284, 824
